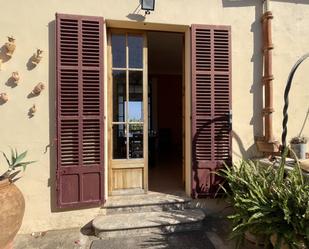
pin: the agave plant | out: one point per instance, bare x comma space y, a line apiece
268, 201
15, 162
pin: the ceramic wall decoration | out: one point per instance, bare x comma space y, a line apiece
4, 97
15, 77
32, 110
37, 57
38, 89
10, 46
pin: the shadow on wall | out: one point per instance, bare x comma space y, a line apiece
257, 62
293, 1
135, 15
250, 153
52, 114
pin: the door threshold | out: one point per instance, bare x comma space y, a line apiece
134, 191
149, 198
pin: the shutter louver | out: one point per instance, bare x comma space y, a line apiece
80, 115
211, 106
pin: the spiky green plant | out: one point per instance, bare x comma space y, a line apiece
267, 201
15, 162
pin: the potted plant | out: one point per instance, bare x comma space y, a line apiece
299, 146
269, 203
12, 201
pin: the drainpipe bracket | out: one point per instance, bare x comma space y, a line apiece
267, 15
267, 79
268, 110
268, 47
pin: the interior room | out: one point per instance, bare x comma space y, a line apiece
165, 98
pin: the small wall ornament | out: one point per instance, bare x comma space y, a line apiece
38, 89
15, 77
10, 46
32, 110
4, 97
37, 57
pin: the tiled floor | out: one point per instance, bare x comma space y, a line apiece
166, 175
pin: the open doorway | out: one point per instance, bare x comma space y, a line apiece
165, 111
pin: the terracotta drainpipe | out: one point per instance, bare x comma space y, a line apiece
267, 144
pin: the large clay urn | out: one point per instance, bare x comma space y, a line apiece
12, 208
283, 245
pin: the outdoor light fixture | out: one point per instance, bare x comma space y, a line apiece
148, 5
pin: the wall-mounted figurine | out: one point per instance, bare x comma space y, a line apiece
4, 97
10, 46
37, 57
15, 77
32, 110
38, 88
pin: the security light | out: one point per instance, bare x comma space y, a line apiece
148, 5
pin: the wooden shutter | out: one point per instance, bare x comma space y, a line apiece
211, 106
80, 117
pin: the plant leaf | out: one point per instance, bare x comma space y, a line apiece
20, 157
24, 164
12, 156
14, 174
16, 179
6, 158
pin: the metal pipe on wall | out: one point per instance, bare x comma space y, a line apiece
268, 76
267, 144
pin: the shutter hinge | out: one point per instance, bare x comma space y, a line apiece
57, 182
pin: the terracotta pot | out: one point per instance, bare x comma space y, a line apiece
12, 210
10, 46
15, 77
283, 245
4, 97
37, 57
273, 240
254, 239
304, 164
38, 88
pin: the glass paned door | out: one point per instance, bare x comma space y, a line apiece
129, 111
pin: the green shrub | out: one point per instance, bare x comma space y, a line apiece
267, 201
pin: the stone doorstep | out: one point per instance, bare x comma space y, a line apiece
156, 207
151, 202
122, 225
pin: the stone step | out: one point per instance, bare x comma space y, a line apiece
133, 224
150, 202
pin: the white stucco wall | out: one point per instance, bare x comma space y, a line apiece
31, 22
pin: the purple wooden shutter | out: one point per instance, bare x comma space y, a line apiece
80, 117
211, 106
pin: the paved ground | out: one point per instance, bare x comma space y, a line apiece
213, 236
